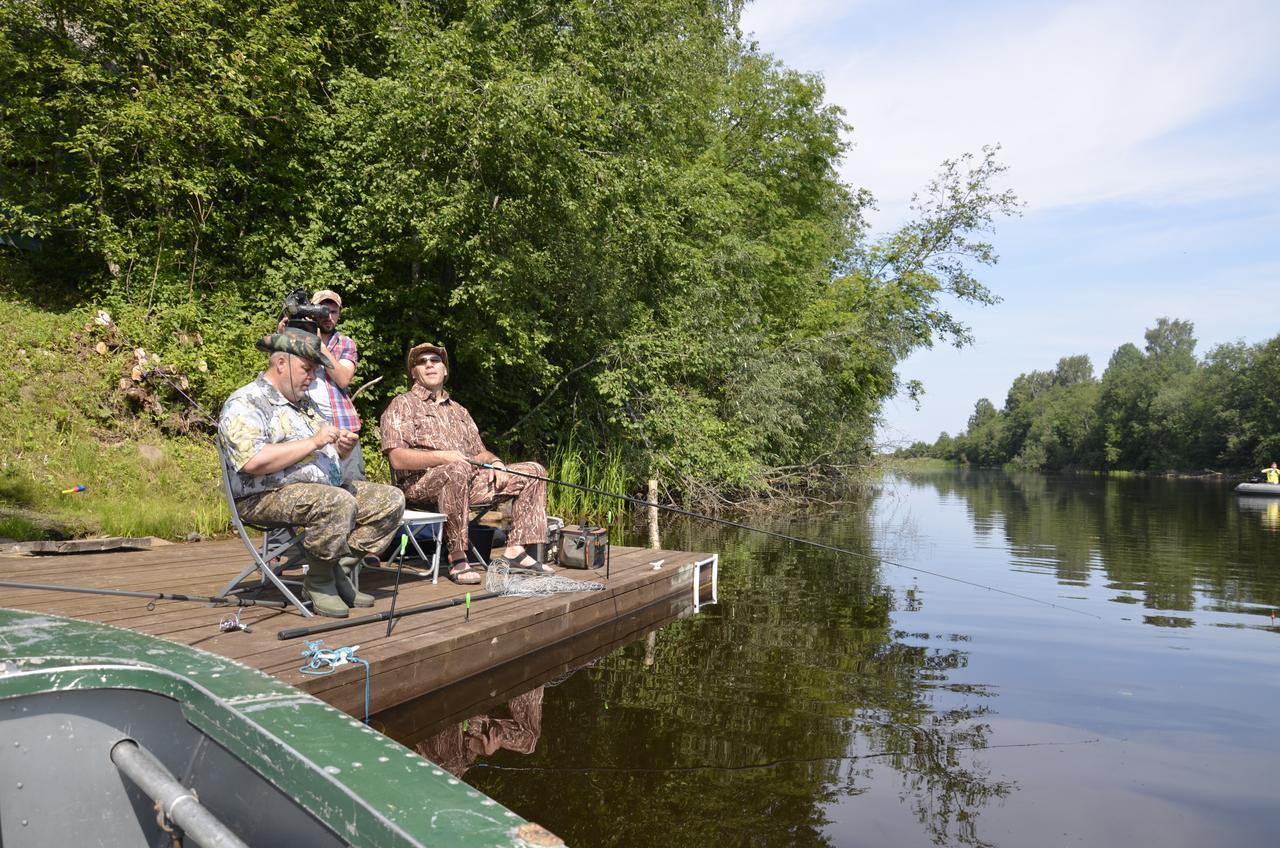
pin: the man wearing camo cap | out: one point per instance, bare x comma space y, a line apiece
288, 463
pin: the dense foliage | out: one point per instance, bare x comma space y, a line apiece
1158, 408
623, 219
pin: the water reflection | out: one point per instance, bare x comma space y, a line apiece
744, 724
1267, 509
832, 699
1162, 542
456, 747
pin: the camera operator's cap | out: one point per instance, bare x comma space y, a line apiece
426, 347
294, 341
326, 294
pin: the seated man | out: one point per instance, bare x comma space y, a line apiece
289, 463
432, 442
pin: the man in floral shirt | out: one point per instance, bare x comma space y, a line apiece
288, 463
432, 443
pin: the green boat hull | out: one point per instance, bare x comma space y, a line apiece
272, 764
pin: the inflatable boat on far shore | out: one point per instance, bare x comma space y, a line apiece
1272, 489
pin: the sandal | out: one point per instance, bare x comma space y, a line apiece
463, 574
528, 565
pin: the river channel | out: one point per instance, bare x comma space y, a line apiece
1107, 674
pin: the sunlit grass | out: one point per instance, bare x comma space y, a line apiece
601, 470
60, 431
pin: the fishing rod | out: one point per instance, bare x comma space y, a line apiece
797, 539
295, 632
151, 596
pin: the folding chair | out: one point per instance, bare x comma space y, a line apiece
275, 541
478, 511
410, 523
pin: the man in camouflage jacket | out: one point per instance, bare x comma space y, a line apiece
288, 463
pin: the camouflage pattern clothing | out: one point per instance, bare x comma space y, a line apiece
359, 517
257, 415
424, 420
356, 518
456, 747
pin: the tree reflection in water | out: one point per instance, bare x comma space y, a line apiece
742, 725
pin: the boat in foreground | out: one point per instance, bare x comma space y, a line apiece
112, 737
1272, 489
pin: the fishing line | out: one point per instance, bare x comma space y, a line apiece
797, 539
151, 596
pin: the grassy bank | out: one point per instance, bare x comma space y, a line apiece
68, 422
75, 415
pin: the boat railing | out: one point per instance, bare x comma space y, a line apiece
175, 802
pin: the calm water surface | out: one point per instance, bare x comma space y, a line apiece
831, 699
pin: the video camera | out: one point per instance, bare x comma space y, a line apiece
300, 314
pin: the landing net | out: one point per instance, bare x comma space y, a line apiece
503, 581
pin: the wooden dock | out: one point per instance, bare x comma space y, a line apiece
425, 653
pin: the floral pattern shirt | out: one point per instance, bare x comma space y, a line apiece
257, 415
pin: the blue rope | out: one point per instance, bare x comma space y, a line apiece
322, 661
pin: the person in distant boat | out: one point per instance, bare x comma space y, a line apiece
288, 461
1273, 473
432, 444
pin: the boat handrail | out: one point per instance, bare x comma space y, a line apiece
176, 802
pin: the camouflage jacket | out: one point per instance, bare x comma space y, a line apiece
257, 415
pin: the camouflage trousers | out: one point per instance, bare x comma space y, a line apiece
357, 518
453, 488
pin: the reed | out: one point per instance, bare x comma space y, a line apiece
601, 470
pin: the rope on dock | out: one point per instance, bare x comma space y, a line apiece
321, 661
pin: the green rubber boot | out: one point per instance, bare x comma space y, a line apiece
320, 587
347, 578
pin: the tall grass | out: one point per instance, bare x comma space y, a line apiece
601, 470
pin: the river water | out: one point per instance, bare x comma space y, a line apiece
1117, 684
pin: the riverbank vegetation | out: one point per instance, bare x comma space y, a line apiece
624, 220
1157, 408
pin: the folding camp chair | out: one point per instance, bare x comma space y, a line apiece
411, 524
477, 512
275, 541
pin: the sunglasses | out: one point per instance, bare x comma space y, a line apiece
429, 359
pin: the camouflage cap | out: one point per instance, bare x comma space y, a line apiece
294, 341
426, 347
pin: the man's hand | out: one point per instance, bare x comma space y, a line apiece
330, 361
281, 324
454, 456
345, 442
326, 435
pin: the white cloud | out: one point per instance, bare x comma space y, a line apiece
1142, 134
1091, 101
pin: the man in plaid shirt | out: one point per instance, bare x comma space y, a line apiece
329, 390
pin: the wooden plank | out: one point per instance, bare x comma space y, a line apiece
426, 653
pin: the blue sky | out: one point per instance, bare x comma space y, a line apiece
1143, 137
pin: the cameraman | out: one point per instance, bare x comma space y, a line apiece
329, 389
